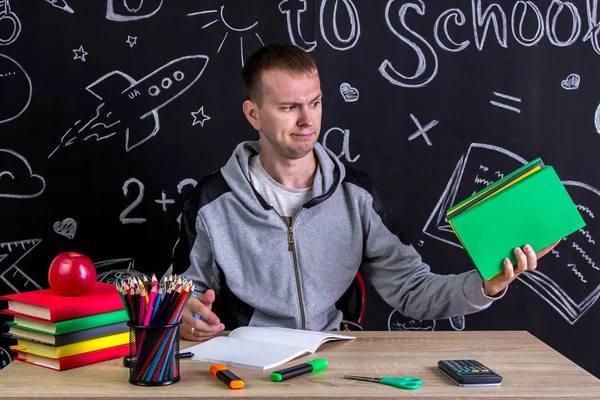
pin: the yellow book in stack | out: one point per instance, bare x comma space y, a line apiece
72, 349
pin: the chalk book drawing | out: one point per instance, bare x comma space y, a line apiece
568, 278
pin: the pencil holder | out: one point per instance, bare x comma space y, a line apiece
153, 353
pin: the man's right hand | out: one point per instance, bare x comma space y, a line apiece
196, 329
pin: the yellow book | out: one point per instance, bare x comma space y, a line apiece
71, 349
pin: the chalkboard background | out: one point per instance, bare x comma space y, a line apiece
435, 99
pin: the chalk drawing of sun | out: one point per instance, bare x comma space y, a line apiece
241, 31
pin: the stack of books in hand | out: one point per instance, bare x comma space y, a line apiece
528, 206
62, 332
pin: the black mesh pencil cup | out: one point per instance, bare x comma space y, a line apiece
153, 354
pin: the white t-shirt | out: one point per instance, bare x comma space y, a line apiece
287, 202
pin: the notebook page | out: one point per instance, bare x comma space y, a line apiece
244, 353
306, 340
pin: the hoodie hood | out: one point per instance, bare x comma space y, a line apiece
330, 173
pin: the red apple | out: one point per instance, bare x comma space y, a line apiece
71, 274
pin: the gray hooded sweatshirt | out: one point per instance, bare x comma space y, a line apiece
266, 273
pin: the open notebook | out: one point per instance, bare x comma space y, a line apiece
261, 348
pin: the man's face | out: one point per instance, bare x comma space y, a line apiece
289, 118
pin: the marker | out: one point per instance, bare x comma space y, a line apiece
226, 376
187, 354
315, 365
198, 316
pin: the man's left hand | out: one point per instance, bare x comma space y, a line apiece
527, 261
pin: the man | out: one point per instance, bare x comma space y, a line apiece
281, 230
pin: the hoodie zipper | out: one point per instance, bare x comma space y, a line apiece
291, 248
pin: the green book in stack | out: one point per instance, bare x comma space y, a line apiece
529, 206
69, 325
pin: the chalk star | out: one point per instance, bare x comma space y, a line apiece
131, 40
202, 120
80, 53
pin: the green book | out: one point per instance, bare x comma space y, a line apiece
71, 325
496, 186
18, 332
536, 210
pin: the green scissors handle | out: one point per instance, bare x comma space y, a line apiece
402, 383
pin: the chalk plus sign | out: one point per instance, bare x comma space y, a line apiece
164, 201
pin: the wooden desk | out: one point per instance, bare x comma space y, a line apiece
530, 369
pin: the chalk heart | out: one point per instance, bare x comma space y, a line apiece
348, 92
66, 227
571, 83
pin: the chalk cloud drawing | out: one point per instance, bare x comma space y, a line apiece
568, 278
5, 358
422, 131
133, 105
131, 10
12, 275
131, 40
238, 30
571, 82
80, 54
61, 4
200, 117
17, 180
349, 93
398, 322
15, 89
112, 270
7, 17
504, 105
67, 227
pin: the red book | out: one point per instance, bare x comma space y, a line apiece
49, 306
79, 360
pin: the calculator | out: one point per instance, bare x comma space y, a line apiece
468, 373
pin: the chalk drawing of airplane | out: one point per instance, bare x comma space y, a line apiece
136, 103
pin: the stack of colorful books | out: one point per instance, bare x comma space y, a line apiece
61, 332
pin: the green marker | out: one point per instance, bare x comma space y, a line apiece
315, 365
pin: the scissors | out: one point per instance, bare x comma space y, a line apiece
402, 383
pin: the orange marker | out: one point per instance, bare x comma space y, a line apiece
226, 376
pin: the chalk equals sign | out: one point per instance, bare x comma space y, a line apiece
506, 106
